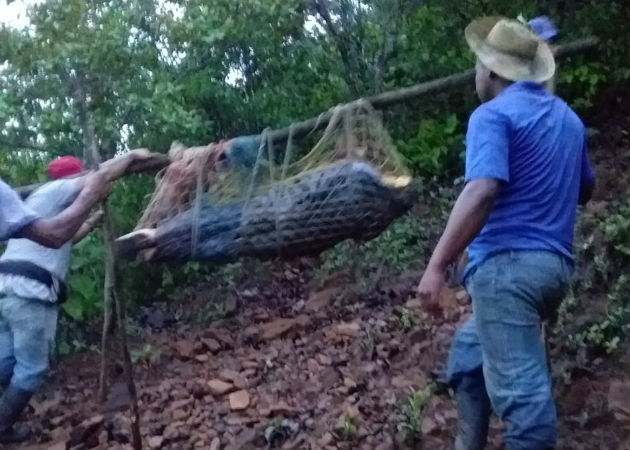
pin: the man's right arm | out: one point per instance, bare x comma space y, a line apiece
56, 231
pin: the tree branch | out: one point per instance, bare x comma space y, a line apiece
343, 46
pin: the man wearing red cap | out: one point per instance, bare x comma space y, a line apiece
32, 281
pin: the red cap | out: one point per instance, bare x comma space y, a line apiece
64, 166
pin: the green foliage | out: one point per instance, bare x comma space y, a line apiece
395, 249
147, 355
22, 167
346, 428
86, 279
608, 331
214, 311
616, 226
405, 320
66, 346
581, 82
413, 411
603, 247
436, 149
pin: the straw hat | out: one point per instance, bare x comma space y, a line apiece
510, 49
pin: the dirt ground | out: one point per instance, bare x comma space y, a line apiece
293, 369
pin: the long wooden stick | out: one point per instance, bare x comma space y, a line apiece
112, 274
380, 101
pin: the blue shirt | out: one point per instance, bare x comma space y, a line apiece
535, 145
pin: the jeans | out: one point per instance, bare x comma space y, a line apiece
512, 293
27, 334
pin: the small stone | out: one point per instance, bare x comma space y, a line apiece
239, 400
103, 438
349, 329
85, 430
230, 306
219, 387
181, 404
244, 440
429, 426
319, 300
261, 316
202, 358
251, 365
221, 336
275, 329
280, 409
619, 396
228, 375
386, 444
324, 360
418, 335
326, 439
400, 381
155, 442
312, 365
58, 420
58, 446
179, 414
211, 344
184, 349
414, 303
241, 382
171, 433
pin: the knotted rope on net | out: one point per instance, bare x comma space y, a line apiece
245, 197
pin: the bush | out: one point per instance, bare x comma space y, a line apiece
602, 251
437, 149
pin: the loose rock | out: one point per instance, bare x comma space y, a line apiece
219, 387
239, 400
350, 329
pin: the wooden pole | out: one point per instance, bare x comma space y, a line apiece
444, 84
112, 274
380, 101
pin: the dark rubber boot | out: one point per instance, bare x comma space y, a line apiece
12, 403
473, 407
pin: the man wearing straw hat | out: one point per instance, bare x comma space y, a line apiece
526, 171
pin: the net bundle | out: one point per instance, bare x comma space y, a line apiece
250, 197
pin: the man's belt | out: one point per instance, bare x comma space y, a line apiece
31, 270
